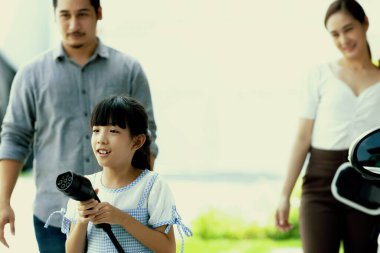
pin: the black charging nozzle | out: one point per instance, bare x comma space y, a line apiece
75, 186
80, 188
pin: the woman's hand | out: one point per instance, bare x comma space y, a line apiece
282, 215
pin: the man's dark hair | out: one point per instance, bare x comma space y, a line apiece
94, 3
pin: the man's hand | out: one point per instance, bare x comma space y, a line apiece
9, 171
6, 216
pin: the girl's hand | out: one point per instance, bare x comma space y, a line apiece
107, 213
282, 215
87, 210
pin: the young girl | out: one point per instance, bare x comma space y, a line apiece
134, 200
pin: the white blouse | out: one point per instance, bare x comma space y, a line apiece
340, 116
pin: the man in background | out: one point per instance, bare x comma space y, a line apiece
50, 104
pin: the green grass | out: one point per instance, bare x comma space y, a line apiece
216, 224
198, 245
216, 231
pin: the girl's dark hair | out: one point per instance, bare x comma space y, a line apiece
94, 3
351, 7
125, 112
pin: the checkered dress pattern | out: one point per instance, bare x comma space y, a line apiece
98, 240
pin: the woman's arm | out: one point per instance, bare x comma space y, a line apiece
154, 239
300, 149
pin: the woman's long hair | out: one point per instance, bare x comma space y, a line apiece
353, 8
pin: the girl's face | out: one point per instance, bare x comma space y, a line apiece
113, 146
349, 34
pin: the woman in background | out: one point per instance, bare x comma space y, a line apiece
341, 101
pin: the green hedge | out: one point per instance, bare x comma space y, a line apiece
215, 224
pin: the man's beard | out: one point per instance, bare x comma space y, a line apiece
76, 46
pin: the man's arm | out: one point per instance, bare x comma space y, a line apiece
9, 171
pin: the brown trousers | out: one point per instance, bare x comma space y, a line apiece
325, 222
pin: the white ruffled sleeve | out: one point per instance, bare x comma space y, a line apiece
160, 204
71, 216
162, 210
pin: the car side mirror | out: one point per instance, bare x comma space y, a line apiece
357, 183
364, 154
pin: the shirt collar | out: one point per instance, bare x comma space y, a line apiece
101, 51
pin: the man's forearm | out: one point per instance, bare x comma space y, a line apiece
9, 171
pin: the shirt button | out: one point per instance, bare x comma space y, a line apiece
87, 137
85, 114
87, 160
83, 92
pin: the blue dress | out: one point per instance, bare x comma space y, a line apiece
154, 208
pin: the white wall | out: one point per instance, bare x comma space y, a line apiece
24, 29
224, 74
